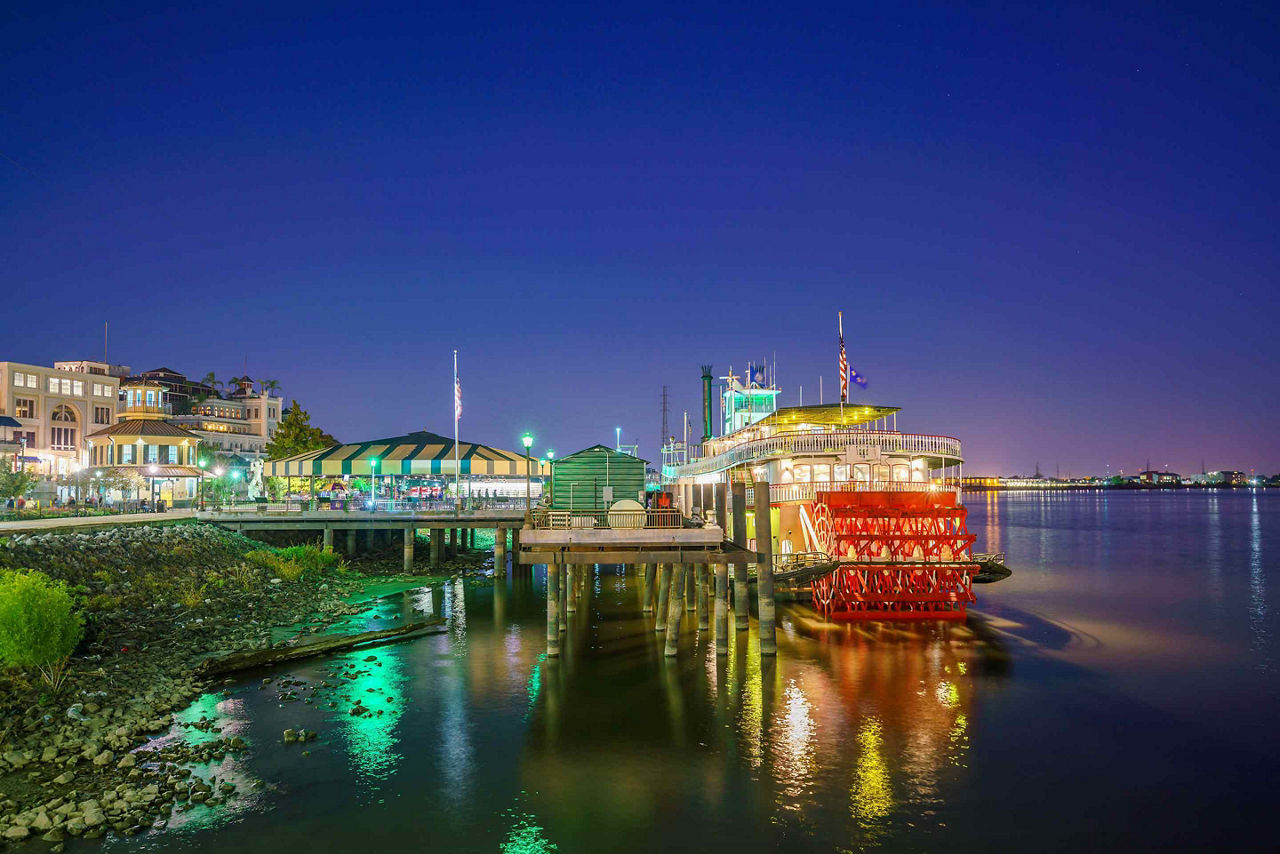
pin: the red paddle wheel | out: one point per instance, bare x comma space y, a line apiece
902, 556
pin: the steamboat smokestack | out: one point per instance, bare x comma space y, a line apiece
706, 402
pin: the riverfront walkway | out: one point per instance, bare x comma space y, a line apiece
40, 526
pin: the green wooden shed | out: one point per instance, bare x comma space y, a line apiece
594, 478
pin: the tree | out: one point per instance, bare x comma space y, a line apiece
211, 381
13, 483
295, 435
268, 386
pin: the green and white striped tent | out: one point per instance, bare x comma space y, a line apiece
417, 454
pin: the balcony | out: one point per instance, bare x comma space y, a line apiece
782, 492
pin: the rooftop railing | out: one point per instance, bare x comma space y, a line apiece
817, 442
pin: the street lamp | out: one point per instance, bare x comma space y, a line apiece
203, 464
617, 438
151, 470
373, 481
527, 439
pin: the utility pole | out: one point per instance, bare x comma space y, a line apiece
665, 435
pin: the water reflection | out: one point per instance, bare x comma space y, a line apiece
1261, 640
371, 737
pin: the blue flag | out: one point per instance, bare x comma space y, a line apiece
857, 379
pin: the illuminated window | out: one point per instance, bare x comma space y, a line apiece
24, 407
77, 388
53, 385
803, 474
19, 380
822, 472
126, 454
153, 453
842, 471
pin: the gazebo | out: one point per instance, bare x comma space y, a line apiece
413, 456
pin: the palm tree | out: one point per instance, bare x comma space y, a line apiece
268, 386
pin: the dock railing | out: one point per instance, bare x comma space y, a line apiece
606, 518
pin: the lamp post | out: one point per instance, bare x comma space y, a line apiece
617, 438
373, 482
151, 470
527, 439
202, 463
550, 456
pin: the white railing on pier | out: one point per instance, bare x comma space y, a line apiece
816, 442
605, 518
779, 492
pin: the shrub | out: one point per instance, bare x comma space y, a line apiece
39, 627
244, 576
190, 594
276, 564
311, 558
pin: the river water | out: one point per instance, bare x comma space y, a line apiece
1119, 692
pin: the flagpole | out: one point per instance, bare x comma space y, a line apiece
844, 370
457, 468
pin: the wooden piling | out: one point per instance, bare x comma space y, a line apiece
722, 608
664, 584
690, 588
553, 610
704, 616
741, 591
648, 589
764, 570
351, 541
500, 551
571, 600
673, 618
564, 595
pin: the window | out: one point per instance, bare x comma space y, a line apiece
822, 472
63, 438
102, 415
125, 453
53, 385
77, 388
19, 380
62, 412
24, 407
32, 382
153, 453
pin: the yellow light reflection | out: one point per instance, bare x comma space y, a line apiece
871, 797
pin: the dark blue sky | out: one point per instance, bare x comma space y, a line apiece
1052, 232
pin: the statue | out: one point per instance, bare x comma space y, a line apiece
255, 479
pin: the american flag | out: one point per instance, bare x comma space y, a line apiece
844, 370
457, 397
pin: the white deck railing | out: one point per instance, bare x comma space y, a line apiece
838, 441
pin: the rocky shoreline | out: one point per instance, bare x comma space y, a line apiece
158, 600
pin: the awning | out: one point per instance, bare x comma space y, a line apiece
169, 471
420, 453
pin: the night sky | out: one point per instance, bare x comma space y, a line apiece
1052, 233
